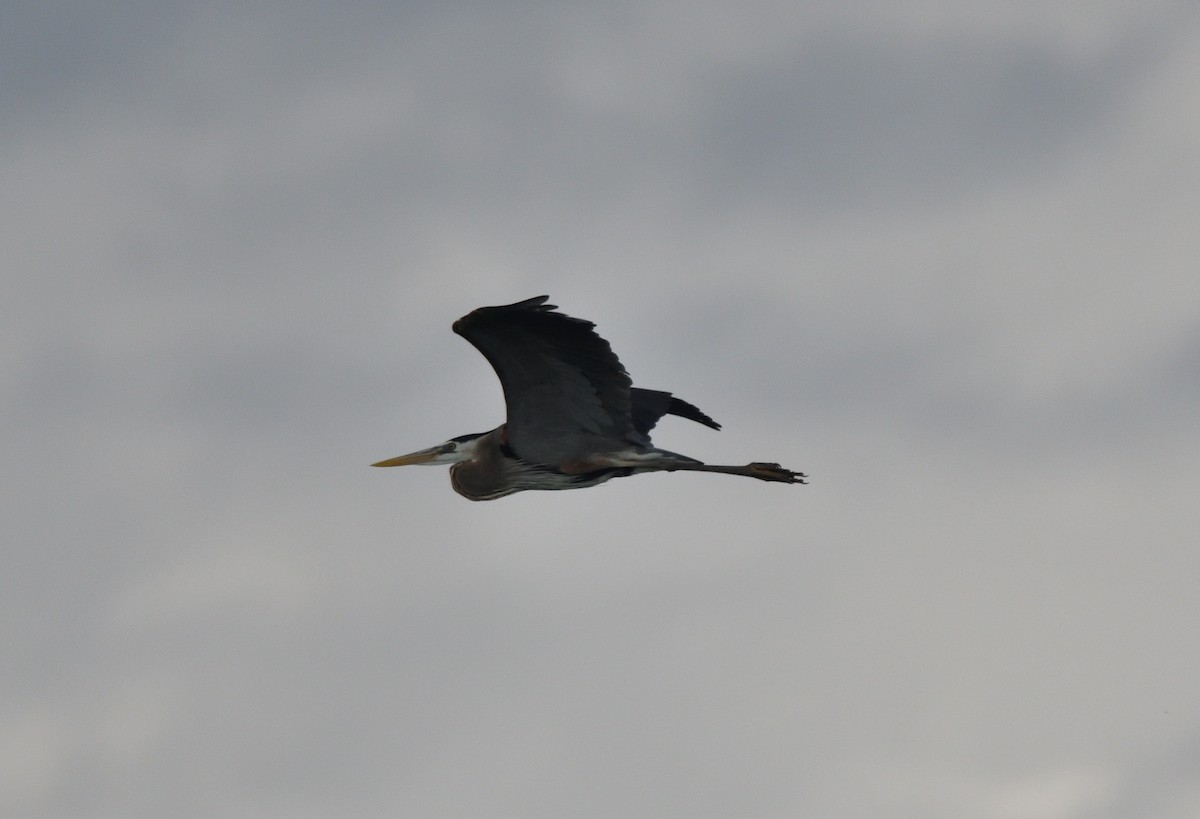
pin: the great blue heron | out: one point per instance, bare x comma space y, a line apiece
574, 417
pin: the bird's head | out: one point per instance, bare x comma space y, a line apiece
454, 451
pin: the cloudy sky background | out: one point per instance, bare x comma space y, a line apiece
941, 256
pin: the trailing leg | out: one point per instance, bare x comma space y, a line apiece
762, 471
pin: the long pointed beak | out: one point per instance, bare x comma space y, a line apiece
423, 456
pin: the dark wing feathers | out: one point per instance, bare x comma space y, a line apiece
566, 391
651, 405
567, 394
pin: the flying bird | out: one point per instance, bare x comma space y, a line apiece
574, 417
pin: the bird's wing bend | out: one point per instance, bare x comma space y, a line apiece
567, 394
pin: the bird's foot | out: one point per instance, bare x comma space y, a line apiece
775, 472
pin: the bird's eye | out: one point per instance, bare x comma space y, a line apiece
451, 446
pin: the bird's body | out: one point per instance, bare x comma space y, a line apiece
574, 417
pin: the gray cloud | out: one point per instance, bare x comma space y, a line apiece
941, 258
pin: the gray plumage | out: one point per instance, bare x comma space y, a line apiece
574, 417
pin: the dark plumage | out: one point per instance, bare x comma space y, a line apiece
574, 417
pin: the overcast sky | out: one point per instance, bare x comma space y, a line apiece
942, 256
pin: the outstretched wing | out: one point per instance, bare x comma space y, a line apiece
566, 391
651, 405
